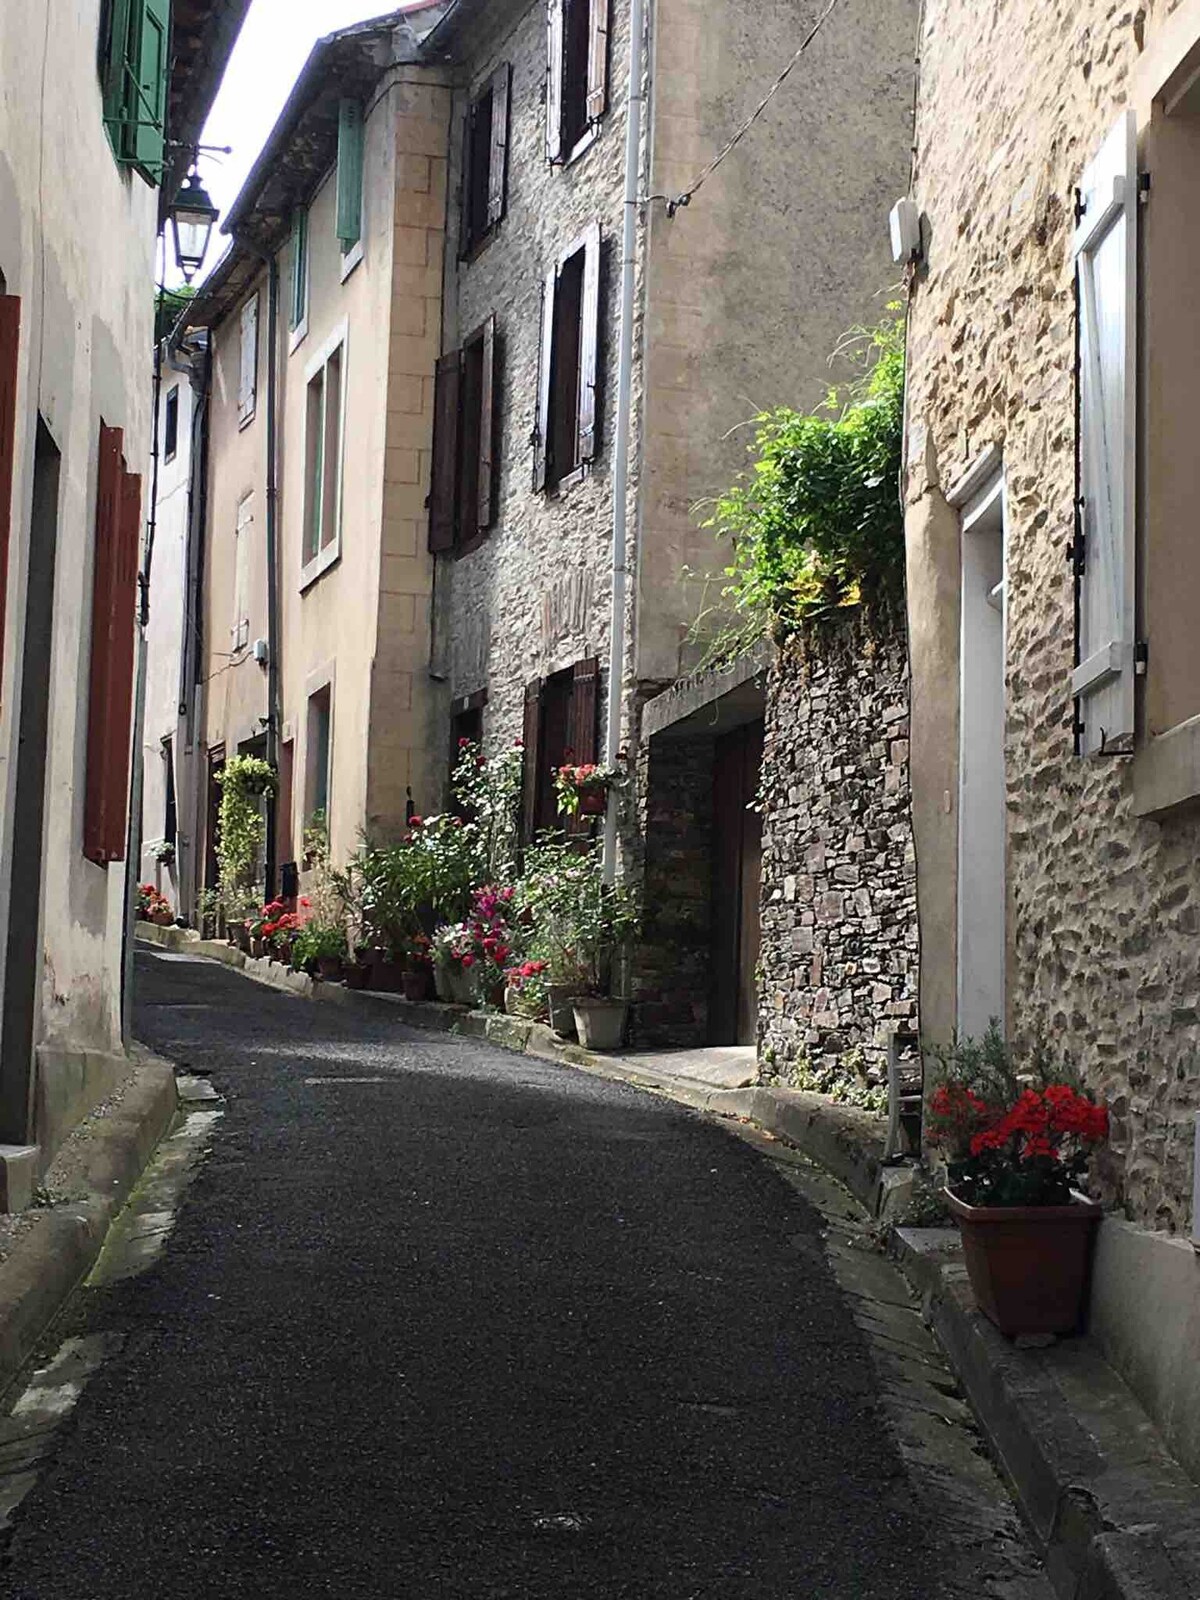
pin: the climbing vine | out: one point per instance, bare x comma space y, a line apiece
241, 829
815, 522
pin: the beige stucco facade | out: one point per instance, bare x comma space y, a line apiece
77, 249
1099, 903
355, 622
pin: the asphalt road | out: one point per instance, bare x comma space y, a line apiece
438, 1321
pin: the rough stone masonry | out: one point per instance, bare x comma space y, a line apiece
839, 924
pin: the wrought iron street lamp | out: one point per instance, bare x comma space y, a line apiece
192, 216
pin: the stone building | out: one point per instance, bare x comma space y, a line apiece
507, 358
1051, 482
85, 170
533, 607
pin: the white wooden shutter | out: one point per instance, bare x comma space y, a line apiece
248, 368
555, 45
241, 573
1105, 247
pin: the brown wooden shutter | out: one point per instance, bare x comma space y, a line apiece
541, 434
597, 69
110, 678
530, 771
589, 341
466, 240
555, 46
10, 345
585, 687
443, 489
498, 165
487, 427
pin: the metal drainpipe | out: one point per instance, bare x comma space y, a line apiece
620, 571
274, 709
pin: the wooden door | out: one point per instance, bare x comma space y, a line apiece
737, 866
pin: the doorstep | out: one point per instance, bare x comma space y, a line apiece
1114, 1515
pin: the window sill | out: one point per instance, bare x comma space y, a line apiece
584, 143
320, 564
297, 336
555, 491
469, 546
351, 259
1166, 771
477, 246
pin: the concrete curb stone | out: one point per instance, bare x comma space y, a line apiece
1113, 1514
52, 1258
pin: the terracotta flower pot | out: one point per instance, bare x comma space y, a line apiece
387, 976
329, 968
355, 974
600, 1024
1028, 1265
593, 801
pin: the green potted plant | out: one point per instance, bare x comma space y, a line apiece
582, 789
322, 944
1017, 1144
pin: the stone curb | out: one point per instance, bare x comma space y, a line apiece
49, 1261
1112, 1513
846, 1141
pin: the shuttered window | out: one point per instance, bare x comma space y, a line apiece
462, 497
298, 309
243, 547
110, 675
134, 63
576, 74
10, 344
349, 174
566, 434
485, 161
324, 440
1105, 248
248, 362
561, 721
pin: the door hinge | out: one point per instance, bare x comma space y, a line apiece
1143, 185
1141, 655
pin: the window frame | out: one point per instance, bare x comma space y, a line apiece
240, 627
126, 26
327, 554
321, 683
298, 298
475, 232
348, 183
248, 392
171, 423
449, 532
593, 89
586, 400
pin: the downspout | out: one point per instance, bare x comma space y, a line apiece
628, 296
189, 800
274, 709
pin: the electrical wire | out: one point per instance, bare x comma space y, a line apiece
685, 198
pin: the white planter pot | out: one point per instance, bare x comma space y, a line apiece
600, 1024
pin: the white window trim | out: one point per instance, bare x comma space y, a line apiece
245, 418
351, 259
298, 334
324, 677
332, 552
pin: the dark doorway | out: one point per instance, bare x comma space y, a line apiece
216, 763
23, 956
737, 872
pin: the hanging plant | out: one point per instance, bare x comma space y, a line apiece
241, 828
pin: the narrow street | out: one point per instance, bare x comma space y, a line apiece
437, 1321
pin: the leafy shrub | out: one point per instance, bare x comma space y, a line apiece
816, 522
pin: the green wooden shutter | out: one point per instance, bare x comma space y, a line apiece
349, 173
299, 267
148, 107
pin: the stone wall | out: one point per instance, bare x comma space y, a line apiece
839, 935
1104, 906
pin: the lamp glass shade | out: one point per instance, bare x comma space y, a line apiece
192, 218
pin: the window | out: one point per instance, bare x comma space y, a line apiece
981, 764
466, 722
171, 424
133, 68
317, 758
298, 309
350, 182
465, 466
248, 362
110, 675
323, 434
170, 810
565, 439
10, 346
560, 725
243, 547
485, 161
1105, 247
576, 75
